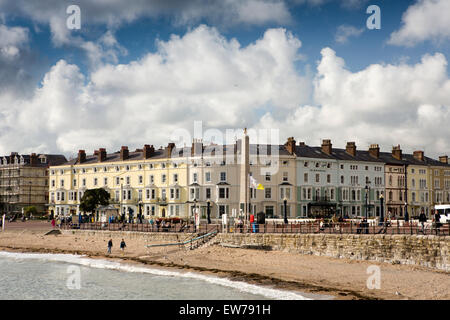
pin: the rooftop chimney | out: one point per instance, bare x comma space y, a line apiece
351, 148
197, 147
443, 159
170, 148
397, 152
124, 153
290, 145
33, 159
374, 150
81, 156
327, 146
101, 155
148, 151
418, 155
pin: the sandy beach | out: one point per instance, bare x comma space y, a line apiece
341, 278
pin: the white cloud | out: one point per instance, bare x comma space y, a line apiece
344, 32
194, 77
11, 40
113, 14
203, 76
385, 104
425, 20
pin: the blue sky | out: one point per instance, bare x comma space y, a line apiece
302, 90
314, 25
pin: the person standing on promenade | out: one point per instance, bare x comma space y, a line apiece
53, 223
122, 246
110, 244
422, 220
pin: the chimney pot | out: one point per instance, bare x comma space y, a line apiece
327, 147
418, 155
290, 145
170, 148
33, 159
81, 156
101, 155
397, 152
351, 148
443, 159
374, 150
148, 151
124, 153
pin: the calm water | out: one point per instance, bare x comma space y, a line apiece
55, 276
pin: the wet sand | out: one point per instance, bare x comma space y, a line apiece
341, 278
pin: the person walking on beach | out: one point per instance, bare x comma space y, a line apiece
110, 244
122, 246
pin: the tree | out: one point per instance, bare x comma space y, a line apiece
30, 210
92, 198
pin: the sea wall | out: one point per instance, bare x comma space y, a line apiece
429, 251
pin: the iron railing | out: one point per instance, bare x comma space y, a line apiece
316, 227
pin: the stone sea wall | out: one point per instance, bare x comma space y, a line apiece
429, 251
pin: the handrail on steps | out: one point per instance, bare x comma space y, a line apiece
181, 243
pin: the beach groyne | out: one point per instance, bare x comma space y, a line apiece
429, 251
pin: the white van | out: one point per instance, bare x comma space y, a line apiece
444, 212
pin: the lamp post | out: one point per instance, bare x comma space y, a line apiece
381, 209
367, 189
140, 211
195, 214
122, 215
285, 210
208, 210
406, 212
29, 195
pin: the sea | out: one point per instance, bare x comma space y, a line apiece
41, 276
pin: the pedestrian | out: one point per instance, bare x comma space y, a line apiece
422, 220
53, 222
122, 246
437, 221
110, 244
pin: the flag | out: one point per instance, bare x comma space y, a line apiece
253, 183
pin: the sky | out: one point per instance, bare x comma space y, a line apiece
149, 72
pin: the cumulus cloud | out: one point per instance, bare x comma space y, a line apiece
113, 14
348, 4
193, 77
11, 39
344, 32
201, 75
16, 60
384, 104
425, 20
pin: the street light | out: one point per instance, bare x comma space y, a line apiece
208, 210
140, 211
367, 189
195, 212
406, 212
122, 215
285, 210
381, 209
